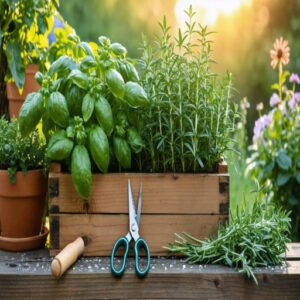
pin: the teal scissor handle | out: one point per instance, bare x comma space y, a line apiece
141, 244
121, 242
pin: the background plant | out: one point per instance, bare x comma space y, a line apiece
252, 239
18, 153
23, 40
86, 104
275, 154
190, 121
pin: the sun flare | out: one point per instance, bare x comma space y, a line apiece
209, 9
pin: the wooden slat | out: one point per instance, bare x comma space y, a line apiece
27, 276
162, 193
103, 230
293, 251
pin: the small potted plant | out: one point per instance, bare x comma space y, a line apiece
23, 42
23, 186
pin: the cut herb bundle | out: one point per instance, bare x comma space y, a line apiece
190, 119
252, 239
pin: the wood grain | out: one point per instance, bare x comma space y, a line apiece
27, 276
162, 193
103, 230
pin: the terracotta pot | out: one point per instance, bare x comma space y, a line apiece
22, 204
15, 100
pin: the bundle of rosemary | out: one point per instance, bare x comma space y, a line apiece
255, 238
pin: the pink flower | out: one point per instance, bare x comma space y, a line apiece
274, 100
292, 103
294, 78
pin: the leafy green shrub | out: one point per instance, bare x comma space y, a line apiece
275, 153
86, 103
251, 239
22, 26
189, 123
18, 153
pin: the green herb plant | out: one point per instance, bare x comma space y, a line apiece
18, 153
191, 118
86, 104
255, 238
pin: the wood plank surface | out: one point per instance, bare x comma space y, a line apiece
103, 230
162, 193
27, 276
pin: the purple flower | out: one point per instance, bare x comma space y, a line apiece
297, 97
292, 103
260, 125
294, 78
274, 100
282, 107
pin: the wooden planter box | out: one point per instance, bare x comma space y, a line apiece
193, 203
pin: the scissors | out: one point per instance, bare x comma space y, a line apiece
133, 233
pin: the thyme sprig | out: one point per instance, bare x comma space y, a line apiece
251, 239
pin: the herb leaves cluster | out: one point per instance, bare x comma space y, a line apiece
190, 119
252, 239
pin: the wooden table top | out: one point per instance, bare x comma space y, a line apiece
27, 276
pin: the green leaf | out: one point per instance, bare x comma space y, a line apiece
88, 105
81, 171
135, 95
283, 160
134, 140
86, 48
115, 82
118, 49
122, 152
79, 78
31, 113
42, 24
282, 178
298, 176
1, 35
99, 148
58, 109
298, 162
15, 62
59, 146
104, 115
62, 65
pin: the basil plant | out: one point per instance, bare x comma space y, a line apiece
87, 106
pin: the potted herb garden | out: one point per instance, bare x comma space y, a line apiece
23, 44
23, 187
168, 127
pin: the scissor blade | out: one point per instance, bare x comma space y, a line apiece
139, 208
133, 225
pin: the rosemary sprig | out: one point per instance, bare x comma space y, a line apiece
255, 238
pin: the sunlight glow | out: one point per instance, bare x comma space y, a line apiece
209, 9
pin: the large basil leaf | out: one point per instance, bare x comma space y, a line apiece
15, 62
134, 140
58, 109
62, 65
122, 152
115, 82
118, 49
59, 146
79, 78
104, 115
135, 95
99, 148
81, 171
31, 113
88, 105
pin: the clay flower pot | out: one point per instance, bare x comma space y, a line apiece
15, 100
22, 204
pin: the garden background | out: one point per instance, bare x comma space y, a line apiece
245, 31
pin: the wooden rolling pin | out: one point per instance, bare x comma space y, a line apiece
67, 257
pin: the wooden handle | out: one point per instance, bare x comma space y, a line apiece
67, 257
